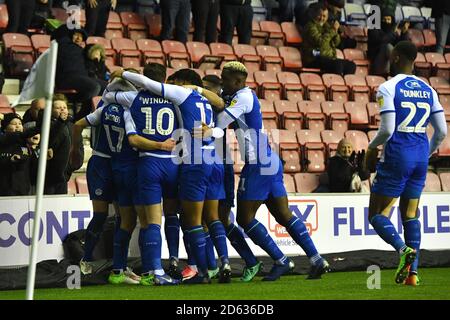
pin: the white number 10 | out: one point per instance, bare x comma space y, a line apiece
418, 128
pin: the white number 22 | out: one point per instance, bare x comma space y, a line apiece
418, 128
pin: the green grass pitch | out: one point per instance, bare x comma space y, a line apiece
334, 286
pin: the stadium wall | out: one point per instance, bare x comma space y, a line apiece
337, 223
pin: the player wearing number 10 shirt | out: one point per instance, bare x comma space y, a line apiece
407, 105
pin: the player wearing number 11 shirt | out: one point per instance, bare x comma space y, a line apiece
407, 105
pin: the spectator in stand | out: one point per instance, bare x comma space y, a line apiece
71, 72
95, 64
175, 14
56, 178
97, 13
320, 42
42, 12
239, 14
335, 14
381, 42
386, 6
345, 169
20, 14
31, 115
441, 12
205, 14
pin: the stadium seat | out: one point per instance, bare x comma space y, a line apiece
373, 111
176, 54
355, 14
337, 90
357, 33
445, 181
269, 88
313, 116
286, 142
440, 67
331, 139
313, 159
258, 37
292, 88
315, 89
224, 50
41, 42
359, 58
151, 51
305, 136
129, 55
338, 119
360, 92
291, 118
271, 60
444, 148
289, 183
4, 102
19, 54
248, 56
292, 58
374, 82
276, 35
71, 187
250, 82
270, 120
432, 183
114, 22
81, 183
154, 24
430, 38
201, 56
309, 106
416, 37
134, 25
412, 14
292, 36
266, 105
441, 85
3, 17
358, 139
359, 118
60, 14
306, 182
422, 68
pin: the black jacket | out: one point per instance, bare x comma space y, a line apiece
340, 173
59, 141
379, 37
71, 61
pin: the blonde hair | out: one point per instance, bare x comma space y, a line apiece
235, 66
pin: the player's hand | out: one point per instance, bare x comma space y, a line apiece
203, 132
50, 154
15, 158
92, 3
117, 73
113, 4
168, 145
370, 160
336, 25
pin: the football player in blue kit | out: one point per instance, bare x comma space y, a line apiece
197, 171
261, 179
150, 121
407, 105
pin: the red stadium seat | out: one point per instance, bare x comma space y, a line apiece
374, 82
291, 34
177, 56
416, 37
359, 58
359, 119
331, 139
41, 42
4, 102
248, 56
250, 82
440, 66
151, 51
313, 116
315, 89
292, 58
266, 105
201, 56
445, 181
292, 88
289, 183
276, 35
336, 87
289, 150
306, 182
358, 139
422, 68
60, 14
71, 187
305, 136
444, 148
154, 24
268, 84
360, 92
19, 54
216, 72
114, 22
291, 118
134, 25
309, 107
271, 60
258, 37
3, 17
129, 55
224, 50
432, 183
430, 38
373, 111
82, 187
337, 118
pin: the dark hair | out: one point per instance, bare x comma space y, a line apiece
407, 50
316, 8
189, 76
212, 78
155, 71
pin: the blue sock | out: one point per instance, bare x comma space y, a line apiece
217, 231
94, 229
238, 242
141, 239
299, 233
120, 249
151, 248
118, 222
210, 255
259, 235
198, 248
187, 246
412, 239
386, 230
172, 231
